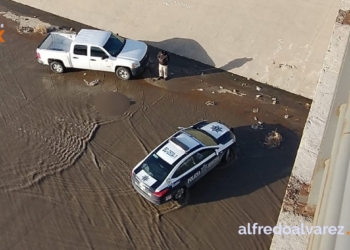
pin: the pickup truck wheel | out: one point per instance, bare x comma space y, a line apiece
57, 67
123, 73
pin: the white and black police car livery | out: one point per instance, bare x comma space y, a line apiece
180, 161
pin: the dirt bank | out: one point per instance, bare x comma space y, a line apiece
65, 167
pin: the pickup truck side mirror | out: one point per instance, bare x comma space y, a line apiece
104, 57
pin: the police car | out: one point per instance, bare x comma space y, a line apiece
181, 160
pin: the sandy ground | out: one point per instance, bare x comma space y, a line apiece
65, 167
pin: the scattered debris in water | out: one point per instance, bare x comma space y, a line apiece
234, 92
286, 116
258, 96
41, 28
273, 139
24, 29
274, 100
200, 89
258, 88
210, 103
92, 83
255, 110
257, 126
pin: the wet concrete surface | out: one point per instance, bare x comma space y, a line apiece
65, 166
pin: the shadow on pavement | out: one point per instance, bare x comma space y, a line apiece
180, 66
255, 166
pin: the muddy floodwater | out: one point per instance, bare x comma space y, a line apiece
112, 103
67, 150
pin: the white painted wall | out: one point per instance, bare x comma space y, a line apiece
222, 33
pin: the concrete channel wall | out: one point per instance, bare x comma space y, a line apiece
278, 42
312, 165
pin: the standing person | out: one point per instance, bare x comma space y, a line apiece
163, 59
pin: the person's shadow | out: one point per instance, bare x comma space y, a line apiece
180, 65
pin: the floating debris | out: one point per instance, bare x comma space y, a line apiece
258, 88
244, 84
274, 102
273, 139
84, 74
25, 29
286, 116
255, 110
258, 96
255, 118
92, 83
221, 87
200, 89
210, 103
41, 28
257, 126
234, 92
307, 105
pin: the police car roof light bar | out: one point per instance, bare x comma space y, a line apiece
179, 144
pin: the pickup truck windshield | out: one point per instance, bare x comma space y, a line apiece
114, 45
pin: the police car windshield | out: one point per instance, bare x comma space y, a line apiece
156, 167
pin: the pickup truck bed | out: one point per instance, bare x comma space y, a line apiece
58, 42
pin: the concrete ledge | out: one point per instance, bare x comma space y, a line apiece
315, 146
273, 42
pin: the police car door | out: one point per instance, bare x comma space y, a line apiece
207, 159
186, 169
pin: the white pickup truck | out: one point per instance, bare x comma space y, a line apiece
93, 50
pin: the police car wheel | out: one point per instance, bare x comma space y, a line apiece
227, 156
179, 194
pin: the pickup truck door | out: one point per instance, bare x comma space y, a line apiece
99, 60
79, 57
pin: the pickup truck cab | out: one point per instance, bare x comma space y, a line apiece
93, 50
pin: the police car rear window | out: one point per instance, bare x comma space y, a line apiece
156, 167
